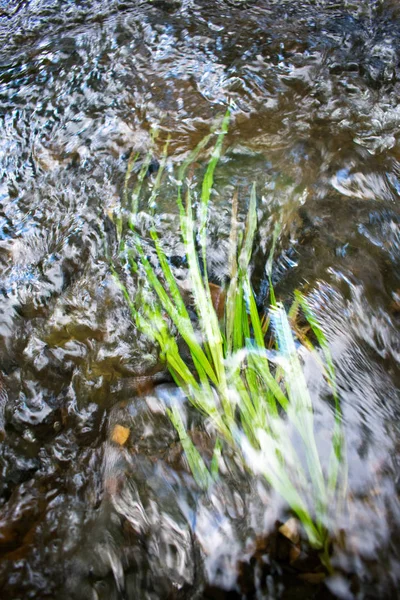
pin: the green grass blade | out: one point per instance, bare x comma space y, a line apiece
268, 267
182, 323
251, 227
196, 463
232, 293
118, 220
131, 163
207, 316
281, 482
300, 407
338, 461
214, 338
138, 187
208, 181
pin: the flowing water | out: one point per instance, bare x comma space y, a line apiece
314, 88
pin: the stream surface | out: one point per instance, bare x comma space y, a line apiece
314, 87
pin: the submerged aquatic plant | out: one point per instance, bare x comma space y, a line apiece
252, 395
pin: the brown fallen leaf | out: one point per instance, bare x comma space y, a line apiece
294, 554
290, 530
218, 299
120, 434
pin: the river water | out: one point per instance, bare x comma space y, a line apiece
314, 88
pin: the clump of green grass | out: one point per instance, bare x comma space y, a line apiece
248, 392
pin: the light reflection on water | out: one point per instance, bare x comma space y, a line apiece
314, 89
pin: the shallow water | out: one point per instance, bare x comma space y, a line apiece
314, 87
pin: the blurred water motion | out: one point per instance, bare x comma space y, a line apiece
96, 500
